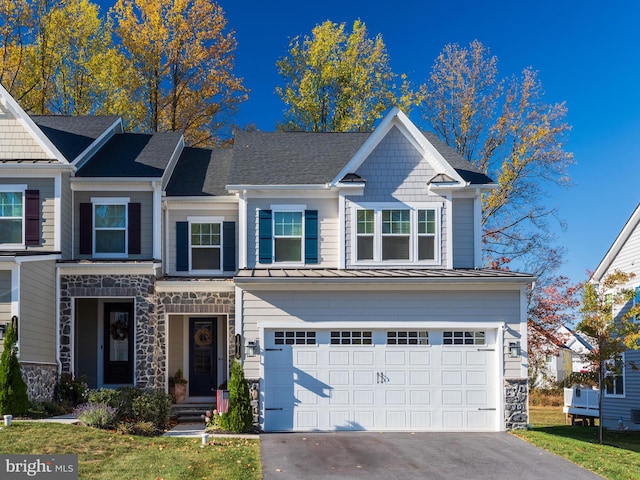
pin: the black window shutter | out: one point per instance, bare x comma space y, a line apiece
182, 246
265, 237
32, 217
86, 228
229, 246
135, 229
311, 236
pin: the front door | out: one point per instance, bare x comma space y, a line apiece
118, 343
202, 356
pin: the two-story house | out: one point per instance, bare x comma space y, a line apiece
343, 269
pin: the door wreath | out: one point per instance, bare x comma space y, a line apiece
203, 337
119, 330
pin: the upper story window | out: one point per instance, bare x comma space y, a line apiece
110, 227
408, 235
205, 245
288, 234
11, 215
614, 378
19, 216
110, 232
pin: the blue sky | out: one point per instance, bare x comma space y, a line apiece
586, 52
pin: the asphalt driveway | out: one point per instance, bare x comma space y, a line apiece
469, 456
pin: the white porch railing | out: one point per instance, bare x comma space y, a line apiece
581, 401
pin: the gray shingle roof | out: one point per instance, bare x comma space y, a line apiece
304, 158
132, 155
291, 158
201, 171
73, 134
376, 275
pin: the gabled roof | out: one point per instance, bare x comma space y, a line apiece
312, 158
201, 172
617, 245
72, 135
47, 146
133, 155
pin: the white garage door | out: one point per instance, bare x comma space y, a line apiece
380, 380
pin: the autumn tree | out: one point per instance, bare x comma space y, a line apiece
504, 127
15, 23
608, 317
339, 81
185, 59
550, 306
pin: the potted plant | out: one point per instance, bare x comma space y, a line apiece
179, 386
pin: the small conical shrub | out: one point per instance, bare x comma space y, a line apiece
239, 418
13, 390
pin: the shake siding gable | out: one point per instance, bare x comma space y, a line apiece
395, 172
16, 142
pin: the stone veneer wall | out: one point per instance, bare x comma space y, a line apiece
150, 353
254, 394
40, 379
222, 303
516, 400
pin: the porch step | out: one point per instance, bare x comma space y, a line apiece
190, 412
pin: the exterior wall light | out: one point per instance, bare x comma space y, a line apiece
252, 348
514, 349
3, 330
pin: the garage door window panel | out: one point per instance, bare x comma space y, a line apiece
356, 337
460, 337
282, 337
412, 337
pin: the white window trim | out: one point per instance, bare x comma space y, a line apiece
23, 189
219, 220
624, 382
287, 209
109, 201
413, 237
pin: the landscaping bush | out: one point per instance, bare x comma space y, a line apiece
136, 405
70, 392
144, 429
13, 389
239, 418
99, 415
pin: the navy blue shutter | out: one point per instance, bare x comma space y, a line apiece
229, 246
32, 217
311, 236
265, 237
86, 228
135, 229
182, 246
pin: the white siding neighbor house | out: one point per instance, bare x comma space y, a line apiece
344, 270
621, 400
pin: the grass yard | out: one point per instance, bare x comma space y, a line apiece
104, 455
618, 459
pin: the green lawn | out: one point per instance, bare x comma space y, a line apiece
618, 459
104, 455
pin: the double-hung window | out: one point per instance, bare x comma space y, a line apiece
206, 244
12, 215
287, 236
614, 378
110, 226
400, 234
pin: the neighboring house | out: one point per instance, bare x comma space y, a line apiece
621, 400
567, 349
343, 269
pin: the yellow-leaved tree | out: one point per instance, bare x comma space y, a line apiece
184, 59
338, 81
